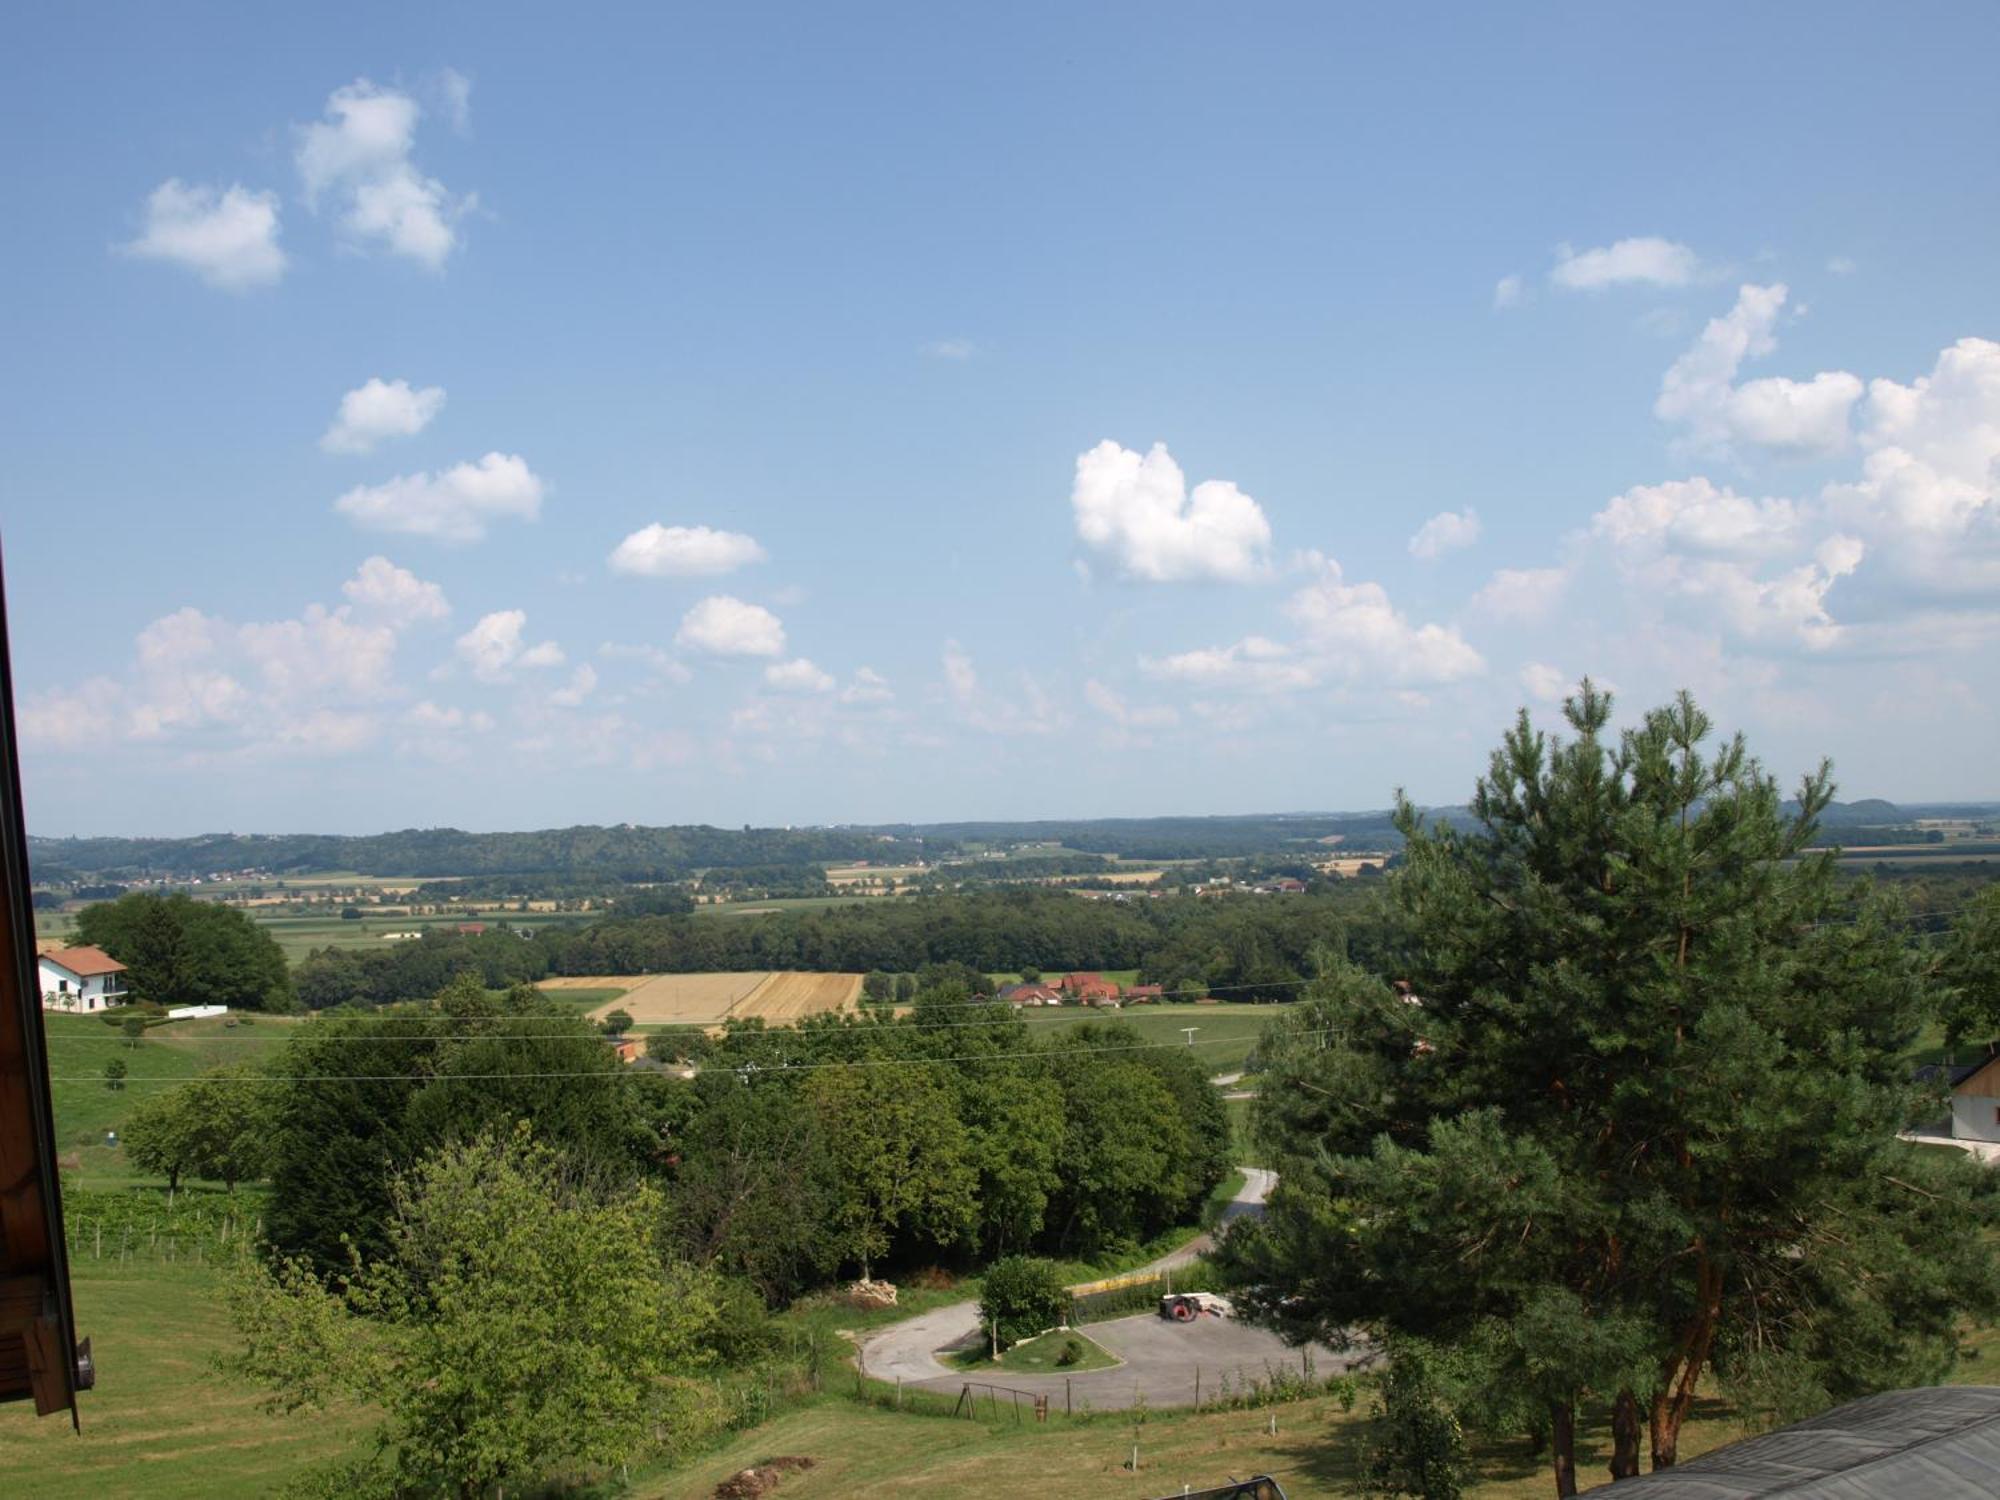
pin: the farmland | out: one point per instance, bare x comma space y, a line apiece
670, 999
1224, 1038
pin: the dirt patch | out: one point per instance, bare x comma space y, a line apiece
759, 1478
790, 996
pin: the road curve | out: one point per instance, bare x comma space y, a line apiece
1159, 1360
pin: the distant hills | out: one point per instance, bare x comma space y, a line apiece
635, 852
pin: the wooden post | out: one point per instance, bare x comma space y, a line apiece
899, 1393
1067, 1407
1197, 1387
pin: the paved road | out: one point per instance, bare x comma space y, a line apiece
1159, 1359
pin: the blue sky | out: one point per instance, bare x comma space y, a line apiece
751, 414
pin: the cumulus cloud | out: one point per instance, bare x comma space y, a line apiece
359, 156
1544, 683
1647, 261
1362, 634
1447, 531
1137, 511
312, 683
455, 90
1253, 664
394, 595
1789, 417
1115, 710
867, 686
1697, 516
451, 505
493, 648
797, 676
1522, 594
1842, 265
723, 625
226, 236
378, 410
582, 683
658, 551
1507, 292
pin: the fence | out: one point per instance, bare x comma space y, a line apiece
199, 1228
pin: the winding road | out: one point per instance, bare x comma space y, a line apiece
1160, 1362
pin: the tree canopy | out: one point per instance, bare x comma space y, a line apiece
1635, 1118
180, 951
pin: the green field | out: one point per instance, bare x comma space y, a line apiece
79, 1047
299, 935
1223, 1039
1036, 1356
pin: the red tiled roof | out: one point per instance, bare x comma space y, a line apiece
85, 963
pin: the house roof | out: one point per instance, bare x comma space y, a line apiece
1955, 1073
1935, 1444
85, 962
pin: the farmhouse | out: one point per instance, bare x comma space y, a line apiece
1975, 1095
81, 979
1089, 989
1143, 994
1031, 994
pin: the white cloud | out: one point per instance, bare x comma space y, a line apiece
1523, 594
797, 676
658, 551
1447, 531
582, 683
952, 349
381, 409
1696, 516
1802, 418
1544, 683
360, 156
1137, 511
227, 237
1842, 265
1111, 706
1253, 664
393, 594
455, 89
1027, 710
726, 626
429, 715
1507, 292
867, 686
453, 505
662, 664
494, 647
1361, 634
1647, 260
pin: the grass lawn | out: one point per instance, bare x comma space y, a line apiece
580, 1001
299, 935
79, 1047
1037, 1356
163, 1421
1223, 1040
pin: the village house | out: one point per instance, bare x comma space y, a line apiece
1031, 994
1975, 1095
81, 979
1142, 994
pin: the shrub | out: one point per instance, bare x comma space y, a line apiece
1023, 1295
1070, 1353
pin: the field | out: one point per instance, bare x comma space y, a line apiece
298, 936
670, 999
1223, 1041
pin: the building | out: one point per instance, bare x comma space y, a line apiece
1031, 994
1143, 994
1975, 1095
1929, 1444
81, 979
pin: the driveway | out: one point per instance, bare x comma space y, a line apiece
1159, 1359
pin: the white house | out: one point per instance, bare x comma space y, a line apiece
81, 979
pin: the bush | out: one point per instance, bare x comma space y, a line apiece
1023, 1295
1070, 1353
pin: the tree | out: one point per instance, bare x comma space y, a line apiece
878, 988
184, 952
134, 1028
216, 1126
350, 914
517, 1324
617, 1023
114, 1074
897, 1152
1020, 1297
1637, 1121
1414, 1446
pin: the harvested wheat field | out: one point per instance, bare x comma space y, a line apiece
656, 999
791, 996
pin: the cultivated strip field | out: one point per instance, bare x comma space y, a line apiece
657, 999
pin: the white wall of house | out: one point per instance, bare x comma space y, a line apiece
1974, 1117
62, 990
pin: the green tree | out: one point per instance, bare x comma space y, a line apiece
114, 1074
897, 1151
216, 1126
134, 1029
518, 1324
180, 951
1638, 1122
617, 1023
1021, 1296
1414, 1446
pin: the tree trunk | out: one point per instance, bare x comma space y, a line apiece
1625, 1436
1683, 1372
1562, 1447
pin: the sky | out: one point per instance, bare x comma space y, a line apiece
516, 416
